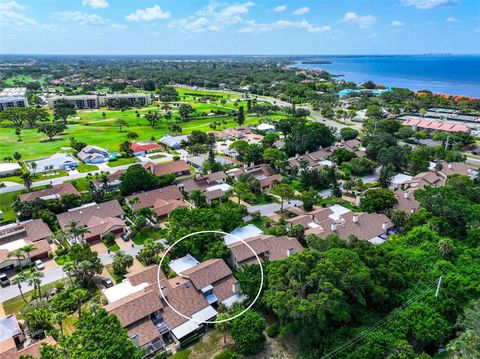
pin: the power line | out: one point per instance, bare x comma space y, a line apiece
380, 322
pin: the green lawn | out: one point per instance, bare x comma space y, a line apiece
6, 201
49, 175
146, 233
61, 260
82, 184
95, 129
15, 179
82, 168
122, 161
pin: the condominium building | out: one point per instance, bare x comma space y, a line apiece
96, 101
13, 97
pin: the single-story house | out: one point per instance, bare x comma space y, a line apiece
93, 154
58, 161
178, 168
10, 169
17, 235
162, 200
100, 219
265, 127
113, 181
174, 142
55, 192
142, 148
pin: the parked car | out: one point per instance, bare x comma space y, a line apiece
39, 264
125, 236
107, 282
4, 281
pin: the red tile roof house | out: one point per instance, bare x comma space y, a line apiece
100, 219
12, 340
54, 192
263, 172
162, 200
151, 322
371, 227
266, 247
17, 235
179, 168
142, 148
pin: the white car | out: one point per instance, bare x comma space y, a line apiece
39, 264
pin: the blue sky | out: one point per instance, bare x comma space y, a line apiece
244, 27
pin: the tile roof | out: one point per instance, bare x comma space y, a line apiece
166, 168
145, 275
145, 330
138, 147
268, 181
151, 199
83, 215
207, 272
31, 231
136, 306
57, 190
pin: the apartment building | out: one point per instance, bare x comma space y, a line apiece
96, 101
13, 97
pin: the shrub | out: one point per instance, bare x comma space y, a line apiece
109, 239
176, 158
273, 330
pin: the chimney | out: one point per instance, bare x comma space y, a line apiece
164, 291
290, 252
355, 218
450, 166
297, 155
405, 194
333, 227
209, 172
307, 152
385, 226
135, 339
236, 288
81, 212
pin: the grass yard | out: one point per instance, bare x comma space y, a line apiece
116, 278
82, 168
81, 184
122, 161
49, 175
146, 233
61, 260
15, 179
6, 202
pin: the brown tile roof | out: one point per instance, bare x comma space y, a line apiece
207, 272
145, 330
59, 190
215, 194
276, 247
223, 289
162, 200
268, 181
320, 154
145, 275
297, 161
423, 179
166, 168
30, 231
408, 204
188, 185
458, 168
84, 215
34, 349
136, 306
214, 177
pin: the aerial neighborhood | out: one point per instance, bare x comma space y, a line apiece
341, 198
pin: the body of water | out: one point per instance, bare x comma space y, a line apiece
454, 75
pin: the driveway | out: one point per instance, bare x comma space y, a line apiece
268, 209
107, 258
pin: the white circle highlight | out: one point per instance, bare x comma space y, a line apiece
211, 321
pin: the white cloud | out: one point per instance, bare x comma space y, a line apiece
428, 4
397, 23
301, 10
373, 35
214, 17
86, 19
252, 26
451, 19
362, 21
280, 8
96, 4
11, 14
148, 14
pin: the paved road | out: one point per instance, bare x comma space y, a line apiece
73, 176
50, 276
268, 209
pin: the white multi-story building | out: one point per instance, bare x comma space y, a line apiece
13, 97
96, 101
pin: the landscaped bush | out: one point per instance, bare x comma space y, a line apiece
64, 301
273, 330
109, 239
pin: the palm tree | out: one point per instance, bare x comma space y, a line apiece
27, 180
69, 269
33, 165
18, 133
20, 255
223, 326
80, 232
59, 317
445, 246
18, 280
27, 249
17, 156
35, 280
79, 295
72, 226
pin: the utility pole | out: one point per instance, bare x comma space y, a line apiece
438, 287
